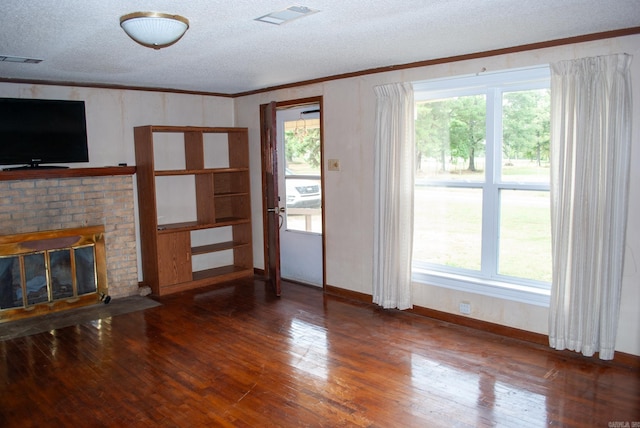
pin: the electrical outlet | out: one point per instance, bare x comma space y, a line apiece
334, 164
465, 308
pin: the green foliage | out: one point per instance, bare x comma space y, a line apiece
303, 146
451, 128
468, 128
526, 125
432, 131
454, 128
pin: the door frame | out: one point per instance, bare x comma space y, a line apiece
265, 218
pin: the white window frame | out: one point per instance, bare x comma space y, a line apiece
493, 85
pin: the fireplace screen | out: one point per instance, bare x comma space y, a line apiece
51, 270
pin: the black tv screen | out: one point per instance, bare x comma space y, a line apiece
38, 132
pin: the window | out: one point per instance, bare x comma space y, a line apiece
482, 207
302, 173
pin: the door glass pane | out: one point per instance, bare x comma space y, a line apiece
448, 226
35, 278
525, 234
302, 175
525, 136
10, 282
302, 146
85, 270
61, 282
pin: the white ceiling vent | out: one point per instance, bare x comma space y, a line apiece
287, 15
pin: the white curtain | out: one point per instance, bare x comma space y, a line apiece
590, 151
393, 183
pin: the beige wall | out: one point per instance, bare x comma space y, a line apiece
348, 135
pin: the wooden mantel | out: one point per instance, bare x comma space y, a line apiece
43, 173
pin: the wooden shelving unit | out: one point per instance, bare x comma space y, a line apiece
219, 211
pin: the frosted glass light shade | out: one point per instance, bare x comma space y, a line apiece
154, 30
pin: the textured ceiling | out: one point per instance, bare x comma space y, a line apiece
226, 51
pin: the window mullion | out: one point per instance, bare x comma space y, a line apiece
491, 195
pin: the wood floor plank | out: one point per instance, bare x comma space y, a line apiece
236, 356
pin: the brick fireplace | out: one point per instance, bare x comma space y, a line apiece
45, 200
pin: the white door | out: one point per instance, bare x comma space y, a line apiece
300, 186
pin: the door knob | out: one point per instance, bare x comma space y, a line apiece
276, 210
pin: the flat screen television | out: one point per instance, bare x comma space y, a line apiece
36, 133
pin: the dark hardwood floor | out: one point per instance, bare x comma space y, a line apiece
236, 356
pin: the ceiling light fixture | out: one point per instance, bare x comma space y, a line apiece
154, 30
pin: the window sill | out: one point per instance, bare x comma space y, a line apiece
498, 289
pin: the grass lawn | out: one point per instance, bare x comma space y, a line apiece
448, 226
